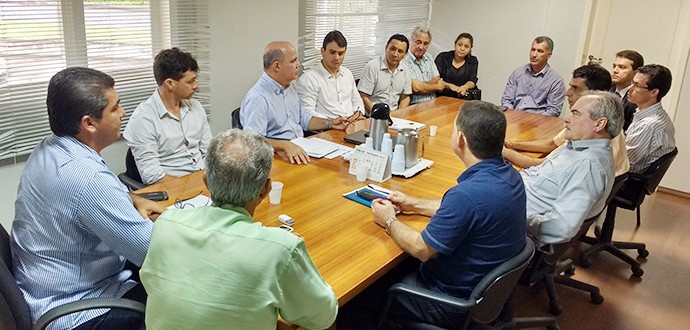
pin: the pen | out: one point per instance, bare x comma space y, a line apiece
378, 189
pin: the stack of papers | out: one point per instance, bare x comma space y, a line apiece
197, 201
399, 123
319, 148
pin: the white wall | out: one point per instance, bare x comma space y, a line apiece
503, 32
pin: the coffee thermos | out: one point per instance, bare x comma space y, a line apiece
380, 120
409, 138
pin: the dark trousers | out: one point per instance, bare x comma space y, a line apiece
117, 319
364, 311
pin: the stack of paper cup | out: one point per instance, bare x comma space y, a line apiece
362, 171
369, 143
398, 165
387, 145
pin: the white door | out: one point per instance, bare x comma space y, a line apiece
659, 31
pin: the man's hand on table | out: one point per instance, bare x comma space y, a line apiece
146, 208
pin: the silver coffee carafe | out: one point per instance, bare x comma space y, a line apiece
379, 121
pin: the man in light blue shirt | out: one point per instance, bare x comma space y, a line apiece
426, 80
572, 184
75, 225
272, 107
536, 87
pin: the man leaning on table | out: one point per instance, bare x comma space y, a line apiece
536, 87
75, 224
169, 133
272, 107
469, 233
328, 90
214, 267
585, 78
572, 184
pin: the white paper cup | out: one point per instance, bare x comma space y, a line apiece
432, 130
362, 171
276, 192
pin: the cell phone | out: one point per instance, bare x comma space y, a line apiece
369, 196
155, 196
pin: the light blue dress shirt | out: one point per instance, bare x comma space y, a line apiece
542, 93
74, 227
274, 111
571, 185
423, 71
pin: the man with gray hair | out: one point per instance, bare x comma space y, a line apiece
272, 107
572, 184
536, 87
230, 269
426, 80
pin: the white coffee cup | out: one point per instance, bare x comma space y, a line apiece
432, 130
362, 171
276, 193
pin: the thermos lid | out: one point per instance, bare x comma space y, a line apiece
380, 111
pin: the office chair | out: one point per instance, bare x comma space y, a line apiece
131, 177
15, 313
236, 119
629, 197
546, 268
486, 300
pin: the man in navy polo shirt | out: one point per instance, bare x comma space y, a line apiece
478, 224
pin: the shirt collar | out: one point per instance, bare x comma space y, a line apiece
482, 165
326, 74
580, 145
384, 65
237, 209
650, 111
78, 148
623, 91
543, 71
273, 85
161, 110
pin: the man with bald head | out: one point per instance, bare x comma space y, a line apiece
272, 107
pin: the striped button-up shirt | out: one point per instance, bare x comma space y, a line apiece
423, 70
649, 136
74, 227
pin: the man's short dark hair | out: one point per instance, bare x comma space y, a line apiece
596, 77
336, 36
74, 93
659, 78
401, 38
173, 63
635, 57
484, 127
547, 40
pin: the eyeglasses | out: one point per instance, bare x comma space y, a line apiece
181, 203
638, 86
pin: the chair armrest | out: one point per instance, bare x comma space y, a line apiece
462, 305
86, 304
130, 183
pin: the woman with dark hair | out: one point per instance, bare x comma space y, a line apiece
458, 68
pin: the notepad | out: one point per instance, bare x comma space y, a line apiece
373, 189
315, 147
399, 123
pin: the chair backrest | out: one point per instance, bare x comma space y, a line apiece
236, 123
131, 169
655, 172
14, 313
494, 289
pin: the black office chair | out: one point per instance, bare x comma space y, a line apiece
547, 268
629, 197
236, 123
131, 177
486, 301
15, 313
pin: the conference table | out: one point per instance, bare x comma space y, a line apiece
349, 249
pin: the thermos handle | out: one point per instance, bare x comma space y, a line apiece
422, 147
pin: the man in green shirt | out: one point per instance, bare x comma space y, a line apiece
214, 267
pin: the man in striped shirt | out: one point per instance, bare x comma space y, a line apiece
651, 133
75, 224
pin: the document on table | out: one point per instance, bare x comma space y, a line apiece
196, 201
318, 148
399, 123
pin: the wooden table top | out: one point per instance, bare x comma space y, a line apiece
348, 248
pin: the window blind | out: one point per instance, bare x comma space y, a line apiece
118, 37
366, 24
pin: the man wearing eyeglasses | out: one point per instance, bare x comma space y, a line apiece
328, 90
651, 133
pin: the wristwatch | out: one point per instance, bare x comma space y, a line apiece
389, 222
327, 124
